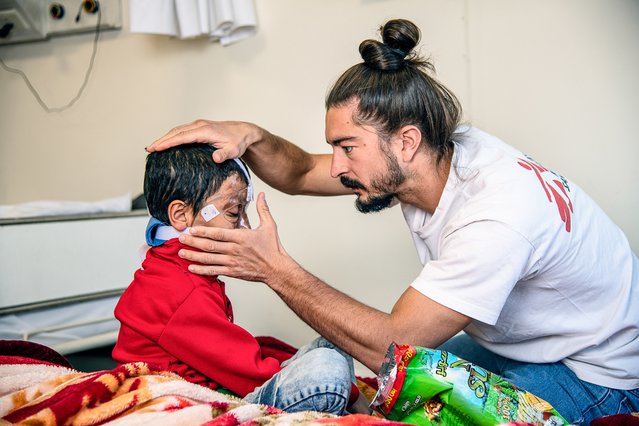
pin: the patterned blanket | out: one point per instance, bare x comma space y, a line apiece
39, 387
42, 390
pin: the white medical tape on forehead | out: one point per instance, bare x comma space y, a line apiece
209, 212
249, 189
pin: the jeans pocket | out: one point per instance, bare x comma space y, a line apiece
617, 402
624, 407
632, 400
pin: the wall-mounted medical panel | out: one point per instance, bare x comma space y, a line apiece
35, 20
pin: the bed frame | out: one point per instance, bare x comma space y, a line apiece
61, 276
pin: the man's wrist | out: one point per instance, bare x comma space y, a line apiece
283, 272
256, 134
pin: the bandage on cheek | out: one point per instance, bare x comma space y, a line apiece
209, 212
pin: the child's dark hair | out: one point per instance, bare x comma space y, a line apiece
187, 173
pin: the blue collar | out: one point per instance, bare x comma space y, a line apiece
158, 232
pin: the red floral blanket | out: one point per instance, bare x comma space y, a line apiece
37, 386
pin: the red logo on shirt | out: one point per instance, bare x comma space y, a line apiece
556, 188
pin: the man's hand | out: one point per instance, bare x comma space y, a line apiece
249, 254
231, 138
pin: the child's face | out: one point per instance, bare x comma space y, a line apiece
226, 208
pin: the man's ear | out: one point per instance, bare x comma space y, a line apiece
180, 215
411, 138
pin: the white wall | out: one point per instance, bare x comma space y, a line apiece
556, 78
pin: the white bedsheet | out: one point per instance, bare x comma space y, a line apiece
69, 328
56, 208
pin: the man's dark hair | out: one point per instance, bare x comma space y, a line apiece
393, 89
187, 173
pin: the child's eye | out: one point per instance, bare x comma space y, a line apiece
232, 215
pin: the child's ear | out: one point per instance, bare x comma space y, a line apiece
180, 215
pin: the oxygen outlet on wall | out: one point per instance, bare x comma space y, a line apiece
36, 20
56, 10
83, 16
89, 6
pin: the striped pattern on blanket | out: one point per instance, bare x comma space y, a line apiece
43, 393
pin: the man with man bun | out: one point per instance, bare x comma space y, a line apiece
512, 251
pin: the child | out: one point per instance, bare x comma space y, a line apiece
183, 322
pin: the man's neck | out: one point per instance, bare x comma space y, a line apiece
426, 183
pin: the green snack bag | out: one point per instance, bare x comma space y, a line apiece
430, 387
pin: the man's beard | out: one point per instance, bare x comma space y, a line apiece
386, 187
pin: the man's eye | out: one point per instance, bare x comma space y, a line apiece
347, 149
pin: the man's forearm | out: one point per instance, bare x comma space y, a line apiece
360, 330
277, 162
363, 331
288, 168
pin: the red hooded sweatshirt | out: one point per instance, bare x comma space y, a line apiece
183, 322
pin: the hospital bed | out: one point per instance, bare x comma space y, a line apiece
61, 276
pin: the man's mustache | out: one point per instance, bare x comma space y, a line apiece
350, 183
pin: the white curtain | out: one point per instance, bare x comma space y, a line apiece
226, 21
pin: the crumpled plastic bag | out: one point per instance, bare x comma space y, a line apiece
431, 387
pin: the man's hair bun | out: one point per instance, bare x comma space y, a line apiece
399, 38
393, 88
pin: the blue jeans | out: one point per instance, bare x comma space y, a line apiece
317, 378
577, 401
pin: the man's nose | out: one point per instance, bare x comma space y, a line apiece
338, 165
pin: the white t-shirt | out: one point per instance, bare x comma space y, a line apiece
545, 275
